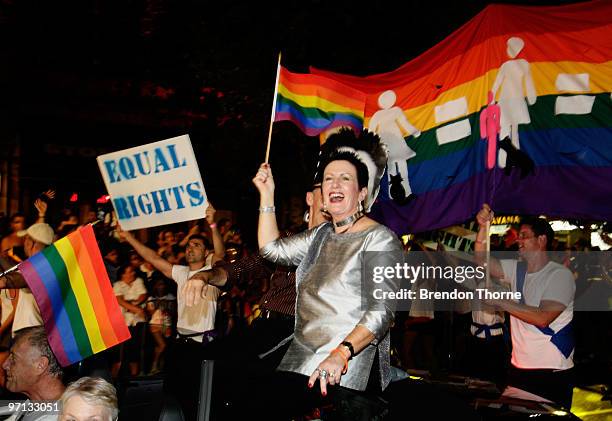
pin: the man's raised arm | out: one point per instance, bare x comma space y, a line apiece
13, 279
146, 253
485, 215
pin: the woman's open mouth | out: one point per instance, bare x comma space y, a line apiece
335, 197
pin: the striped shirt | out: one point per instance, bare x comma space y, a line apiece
280, 297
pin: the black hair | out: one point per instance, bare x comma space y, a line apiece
122, 269
344, 155
108, 246
539, 227
202, 239
17, 215
353, 147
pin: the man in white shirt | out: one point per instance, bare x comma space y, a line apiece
27, 314
194, 321
195, 324
541, 321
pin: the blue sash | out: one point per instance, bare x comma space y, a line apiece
564, 338
487, 329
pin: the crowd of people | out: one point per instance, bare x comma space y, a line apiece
196, 291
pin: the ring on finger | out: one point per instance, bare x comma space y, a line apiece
323, 374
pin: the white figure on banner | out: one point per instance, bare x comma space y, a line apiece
391, 124
515, 84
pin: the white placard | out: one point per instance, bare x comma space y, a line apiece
154, 184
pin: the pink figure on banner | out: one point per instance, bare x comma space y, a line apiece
516, 89
489, 128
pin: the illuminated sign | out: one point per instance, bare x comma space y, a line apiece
506, 220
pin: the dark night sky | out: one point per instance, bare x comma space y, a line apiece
82, 77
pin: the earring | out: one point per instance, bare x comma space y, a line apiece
361, 206
324, 207
306, 217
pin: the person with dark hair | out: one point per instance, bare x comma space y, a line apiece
224, 226
218, 247
539, 227
36, 238
33, 370
110, 251
256, 352
161, 308
195, 325
541, 321
131, 295
332, 324
12, 240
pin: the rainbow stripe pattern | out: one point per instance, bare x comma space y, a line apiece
555, 87
316, 103
75, 297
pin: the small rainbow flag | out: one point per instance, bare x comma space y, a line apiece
315, 103
75, 297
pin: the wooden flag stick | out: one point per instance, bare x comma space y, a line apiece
273, 108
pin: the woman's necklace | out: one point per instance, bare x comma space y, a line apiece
349, 221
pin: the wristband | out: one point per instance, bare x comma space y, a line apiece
267, 209
339, 351
350, 348
346, 354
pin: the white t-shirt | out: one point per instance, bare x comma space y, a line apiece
7, 303
161, 305
130, 292
27, 313
530, 347
200, 318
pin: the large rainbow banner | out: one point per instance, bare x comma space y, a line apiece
76, 300
538, 78
315, 103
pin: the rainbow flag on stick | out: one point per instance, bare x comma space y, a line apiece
75, 297
315, 103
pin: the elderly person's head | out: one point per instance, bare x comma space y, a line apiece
89, 399
37, 237
31, 368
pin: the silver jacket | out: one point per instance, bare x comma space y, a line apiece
329, 299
